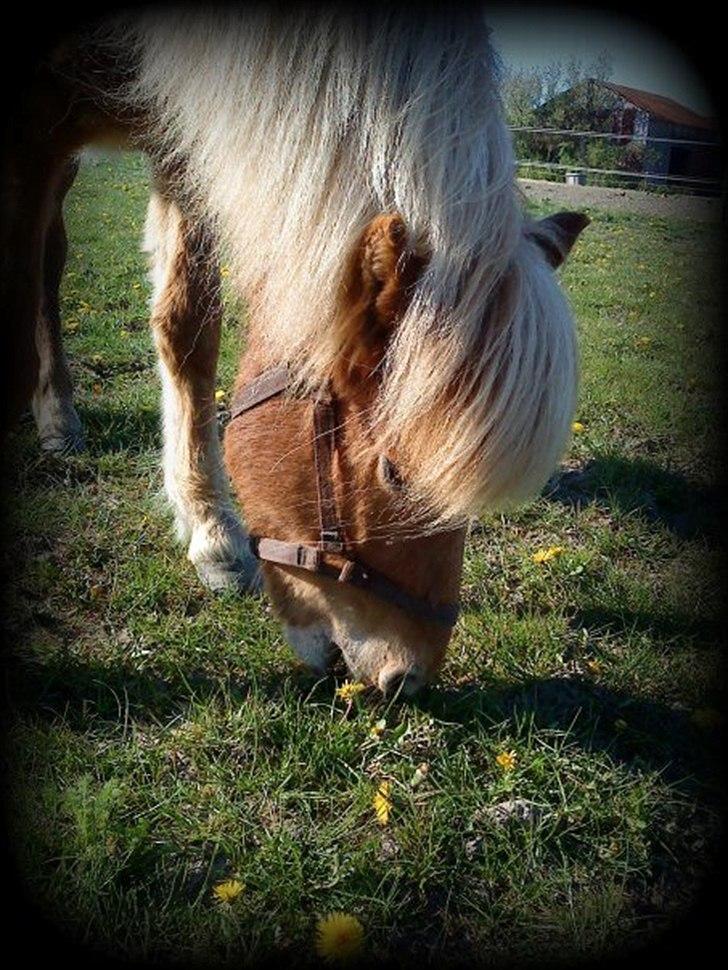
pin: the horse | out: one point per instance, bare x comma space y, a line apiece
411, 359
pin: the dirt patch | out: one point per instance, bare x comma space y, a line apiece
624, 200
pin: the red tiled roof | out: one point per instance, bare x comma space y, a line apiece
661, 107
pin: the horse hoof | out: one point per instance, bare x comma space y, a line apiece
63, 444
238, 576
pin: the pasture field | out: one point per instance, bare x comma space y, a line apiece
555, 796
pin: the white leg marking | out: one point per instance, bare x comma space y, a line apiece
58, 423
195, 478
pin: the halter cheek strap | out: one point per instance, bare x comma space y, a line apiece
329, 557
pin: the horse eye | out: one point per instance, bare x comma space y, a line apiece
389, 474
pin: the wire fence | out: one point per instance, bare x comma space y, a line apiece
636, 177
613, 135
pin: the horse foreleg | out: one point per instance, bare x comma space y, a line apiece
59, 426
27, 188
185, 320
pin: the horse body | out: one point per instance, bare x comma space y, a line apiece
358, 172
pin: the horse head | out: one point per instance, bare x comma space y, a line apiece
393, 631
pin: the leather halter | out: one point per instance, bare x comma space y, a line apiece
329, 557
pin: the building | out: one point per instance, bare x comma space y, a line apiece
641, 115
689, 157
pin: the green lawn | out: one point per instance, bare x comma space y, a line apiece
162, 739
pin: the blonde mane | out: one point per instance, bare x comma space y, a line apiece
295, 129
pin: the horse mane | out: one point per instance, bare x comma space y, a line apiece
295, 127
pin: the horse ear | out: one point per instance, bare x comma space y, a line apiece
557, 234
377, 288
381, 260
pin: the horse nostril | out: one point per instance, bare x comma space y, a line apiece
398, 680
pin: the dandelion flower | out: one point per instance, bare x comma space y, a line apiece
339, 937
546, 555
349, 690
219, 395
382, 804
226, 892
506, 760
643, 341
577, 427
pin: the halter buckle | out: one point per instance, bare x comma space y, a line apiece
308, 558
330, 541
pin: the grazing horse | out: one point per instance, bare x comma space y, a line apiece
411, 359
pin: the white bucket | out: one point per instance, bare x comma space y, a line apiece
576, 178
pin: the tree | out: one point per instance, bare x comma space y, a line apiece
566, 96
528, 92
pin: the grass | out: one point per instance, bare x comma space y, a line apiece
161, 740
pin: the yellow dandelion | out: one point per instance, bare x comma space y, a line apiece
577, 427
643, 341
219, 395
226, 892
382, 804
546, 555
339, 937
349, 690
506, 760
224, 271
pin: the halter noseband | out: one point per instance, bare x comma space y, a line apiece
329, 557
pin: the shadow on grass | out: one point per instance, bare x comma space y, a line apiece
107, 697
636, 732
669, 626
110, 428
636, 486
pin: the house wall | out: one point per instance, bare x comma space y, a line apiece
697, 161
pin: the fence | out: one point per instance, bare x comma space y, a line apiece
638, 178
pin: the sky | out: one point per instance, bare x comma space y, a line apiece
641, 56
